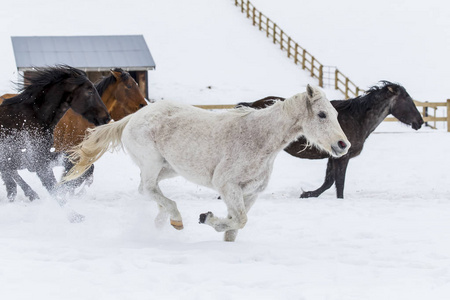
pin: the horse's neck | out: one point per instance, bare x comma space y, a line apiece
373, 117
280, 127
50, 111
108, 96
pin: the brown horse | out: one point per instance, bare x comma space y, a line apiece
358, 118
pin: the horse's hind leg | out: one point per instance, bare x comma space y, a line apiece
151, 174
329, 180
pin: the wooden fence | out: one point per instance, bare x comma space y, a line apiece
299, 54
326, 75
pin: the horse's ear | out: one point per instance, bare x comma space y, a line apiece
394, 90
116, 74
310, 91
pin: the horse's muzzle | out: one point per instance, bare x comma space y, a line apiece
101, 121
340, 148
417, 125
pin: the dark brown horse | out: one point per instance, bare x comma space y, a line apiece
358, 118
27, 122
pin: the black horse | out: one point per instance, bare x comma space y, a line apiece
358, 118
27, 122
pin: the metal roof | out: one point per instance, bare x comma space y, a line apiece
89, 53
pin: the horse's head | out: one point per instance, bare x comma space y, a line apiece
321, 127
402, 106
128, 97
85, 100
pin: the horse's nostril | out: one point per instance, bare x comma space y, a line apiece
342, 144
141, 105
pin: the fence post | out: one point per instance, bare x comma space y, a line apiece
267, 27
260, 27
448, 115
346, 87
254, 16
289, 47
281, 40
274, 33
248, 9
336, 74
321, 76
304, 59
312, 66
296, 53
236, 2
242, 6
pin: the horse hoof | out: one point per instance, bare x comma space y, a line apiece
178, 225
32, 197
306, 195
203, 217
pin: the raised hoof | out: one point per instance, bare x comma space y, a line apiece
203, 217
178, 225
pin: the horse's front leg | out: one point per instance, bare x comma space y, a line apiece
230, 235
340, 169
329, 180
11, 186
237, 213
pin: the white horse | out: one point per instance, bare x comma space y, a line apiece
231, 152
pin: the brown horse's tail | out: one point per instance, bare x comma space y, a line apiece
97, 141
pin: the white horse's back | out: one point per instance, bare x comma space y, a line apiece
183, 135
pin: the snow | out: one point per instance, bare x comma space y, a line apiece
388, 239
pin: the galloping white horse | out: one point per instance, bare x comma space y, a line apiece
232, 152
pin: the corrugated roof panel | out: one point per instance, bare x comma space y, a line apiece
87, 52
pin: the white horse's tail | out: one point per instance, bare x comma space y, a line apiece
97, 141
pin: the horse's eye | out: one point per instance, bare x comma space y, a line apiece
129, 86
322, 115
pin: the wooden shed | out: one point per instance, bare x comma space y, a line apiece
95, 55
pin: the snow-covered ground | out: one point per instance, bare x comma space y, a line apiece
388, 239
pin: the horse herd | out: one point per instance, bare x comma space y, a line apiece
231, 152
